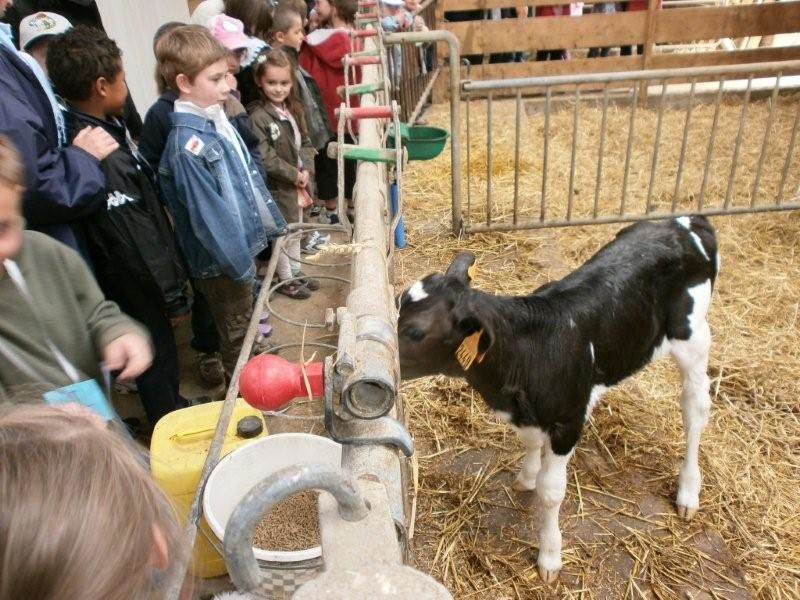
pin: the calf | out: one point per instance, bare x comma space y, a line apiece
542, 361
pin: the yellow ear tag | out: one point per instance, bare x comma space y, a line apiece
472, 272
467, 352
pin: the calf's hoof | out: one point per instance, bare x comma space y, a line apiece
549, 565
686, 512
547, 575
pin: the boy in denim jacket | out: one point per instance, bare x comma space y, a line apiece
224, 215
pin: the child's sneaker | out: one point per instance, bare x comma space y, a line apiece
314, 211
294, 290
309, 282
209, 365
316, 240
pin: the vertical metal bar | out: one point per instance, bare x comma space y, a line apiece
517, 125
772, 104
489, 159
711, 138
739, 136
789, 152
628, 150
574, 148
543, 211
599, 179
656, 144
469, 165
679, 175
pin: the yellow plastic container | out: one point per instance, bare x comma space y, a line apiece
178, 451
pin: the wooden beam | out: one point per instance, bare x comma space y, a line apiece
598, 30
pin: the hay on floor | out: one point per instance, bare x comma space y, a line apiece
622, 537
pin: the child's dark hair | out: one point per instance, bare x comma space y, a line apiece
278, 58
283, 19
300, 6
79, 57
346, 10
256, 15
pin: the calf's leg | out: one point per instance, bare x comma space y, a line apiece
692, 358
551, 485
533, 439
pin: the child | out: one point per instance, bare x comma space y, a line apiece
394, 19
82, 518
322, 57
129, 240
288, 156
288, 35
61, 294
224, 214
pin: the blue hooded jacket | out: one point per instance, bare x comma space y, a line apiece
62, 184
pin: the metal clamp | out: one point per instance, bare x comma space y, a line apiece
360, 432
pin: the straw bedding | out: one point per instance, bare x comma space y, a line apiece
622, 537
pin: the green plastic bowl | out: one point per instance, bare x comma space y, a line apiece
422, 143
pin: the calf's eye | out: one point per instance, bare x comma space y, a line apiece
414, 334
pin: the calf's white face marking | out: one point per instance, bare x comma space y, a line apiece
417, 292
687, 223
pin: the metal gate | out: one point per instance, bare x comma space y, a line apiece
617, 147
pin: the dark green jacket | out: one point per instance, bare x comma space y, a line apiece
279, 153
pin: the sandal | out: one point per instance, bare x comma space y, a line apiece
294, 290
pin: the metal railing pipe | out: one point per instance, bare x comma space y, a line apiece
555, 80
455, 104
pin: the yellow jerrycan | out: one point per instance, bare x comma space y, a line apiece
178, 450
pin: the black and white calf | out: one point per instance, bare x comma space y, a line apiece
542, 361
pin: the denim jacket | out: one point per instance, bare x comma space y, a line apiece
224, 214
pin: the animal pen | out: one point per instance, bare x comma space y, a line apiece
554, 144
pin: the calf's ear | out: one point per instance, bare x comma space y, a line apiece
470, 324
462, 267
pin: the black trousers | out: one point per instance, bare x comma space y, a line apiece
158, 385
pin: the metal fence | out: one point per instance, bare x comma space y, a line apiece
616, 147
413, 70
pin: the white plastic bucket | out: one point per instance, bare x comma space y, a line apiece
239, 471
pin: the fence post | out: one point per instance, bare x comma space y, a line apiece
649, 46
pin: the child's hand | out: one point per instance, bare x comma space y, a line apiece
419, 24
129, 353
302, 178
96, 141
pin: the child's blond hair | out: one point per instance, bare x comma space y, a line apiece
187, 50
11, 171
80, 511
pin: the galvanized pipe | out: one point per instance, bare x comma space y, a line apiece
772, 104
710, 153
518, 109
455, 106
656, 145
178, 569
738, 145
629, 218
631, 127
554, 80
546, 142
789, 153
488, 159
679, 174
571, 193
239, 558
599, 178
